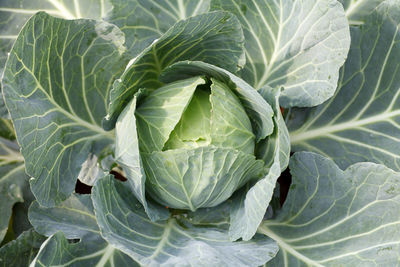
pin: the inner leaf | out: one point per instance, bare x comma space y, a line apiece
193, 130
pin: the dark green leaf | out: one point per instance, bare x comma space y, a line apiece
15, 13
13, 181
57, 110
358, 10
22, 251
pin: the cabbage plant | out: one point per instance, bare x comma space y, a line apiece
161, 133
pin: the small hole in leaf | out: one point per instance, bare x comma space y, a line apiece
118, 176
82, 188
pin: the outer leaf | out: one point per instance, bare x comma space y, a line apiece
21, 252
361, 122
127, 155
74, 217
358, 10
338, 218
250, 204
214, 37
143, 21
56, 111
124, 224
13, 181
258, 110
14, 14
295, 44
91, 250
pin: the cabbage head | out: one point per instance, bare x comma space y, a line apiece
203, 137
196, 142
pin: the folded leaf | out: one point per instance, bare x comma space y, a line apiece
128, 157
258, 110
160, 112
250, 204
337, 218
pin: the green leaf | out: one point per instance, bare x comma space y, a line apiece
160, 112
124, 224
194, 127
295, 44
199, 177
250, 204
358, 10
90, 170
74, 217
91, 250
279, 141
360, 123
13, 181
230, 125
6, 128
20, 220
144, 21
14, 189
337, 218
22, 251
128, 157
57, 111
215, 37
14, 14
215, 116
258, 110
